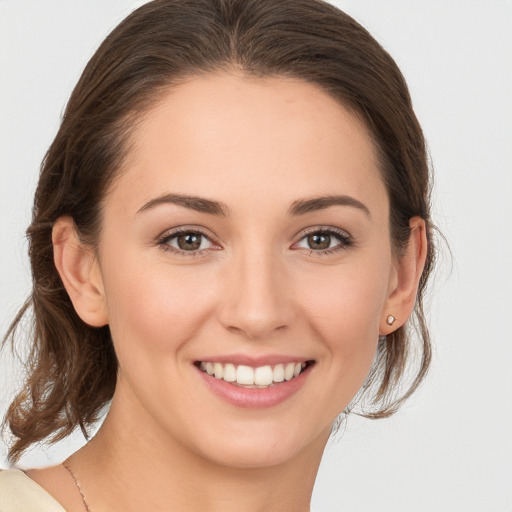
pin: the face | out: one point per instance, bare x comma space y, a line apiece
245, 263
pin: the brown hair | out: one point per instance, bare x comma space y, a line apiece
72, 366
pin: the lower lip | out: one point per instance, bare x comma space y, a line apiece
255, 397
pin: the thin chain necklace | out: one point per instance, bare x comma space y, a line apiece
65, 464
79, 487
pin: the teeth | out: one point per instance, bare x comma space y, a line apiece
278, 373
288, 371
262, 376
229, 373
245, 375
217, 370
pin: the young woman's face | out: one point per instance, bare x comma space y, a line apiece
247, 236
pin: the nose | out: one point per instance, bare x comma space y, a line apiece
257, 297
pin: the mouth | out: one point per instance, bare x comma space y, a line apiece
260, 377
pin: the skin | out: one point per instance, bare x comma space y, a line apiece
256, 146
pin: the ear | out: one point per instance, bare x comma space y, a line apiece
406, 277
79, 270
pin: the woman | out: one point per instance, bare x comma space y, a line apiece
231, 231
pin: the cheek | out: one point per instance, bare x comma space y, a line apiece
347, 301
155, 309
344, 307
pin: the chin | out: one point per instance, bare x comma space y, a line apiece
253, 457
262, 446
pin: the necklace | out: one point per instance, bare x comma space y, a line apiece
65, 464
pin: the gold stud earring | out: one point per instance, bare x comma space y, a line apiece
390, 319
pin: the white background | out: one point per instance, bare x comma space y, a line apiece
450, 447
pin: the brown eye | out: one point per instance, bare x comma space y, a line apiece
319, 241
189, 241
192, 242
324, 241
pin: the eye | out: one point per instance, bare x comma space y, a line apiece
186, 241
324, 241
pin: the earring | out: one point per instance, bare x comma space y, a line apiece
390, 320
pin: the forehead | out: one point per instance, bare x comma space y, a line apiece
234, 137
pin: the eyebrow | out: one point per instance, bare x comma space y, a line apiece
198, 204
303, 206
299, 207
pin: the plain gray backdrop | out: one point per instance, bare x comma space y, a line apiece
450, 447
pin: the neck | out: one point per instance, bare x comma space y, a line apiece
133, 466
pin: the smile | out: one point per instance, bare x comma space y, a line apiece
248, 377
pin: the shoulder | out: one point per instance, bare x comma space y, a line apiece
18, 493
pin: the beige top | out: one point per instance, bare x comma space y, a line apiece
19, 493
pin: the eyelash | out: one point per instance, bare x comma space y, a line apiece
163, 242
345, 241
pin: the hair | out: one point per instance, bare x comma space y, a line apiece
72, 367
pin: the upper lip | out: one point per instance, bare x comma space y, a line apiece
254, 361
